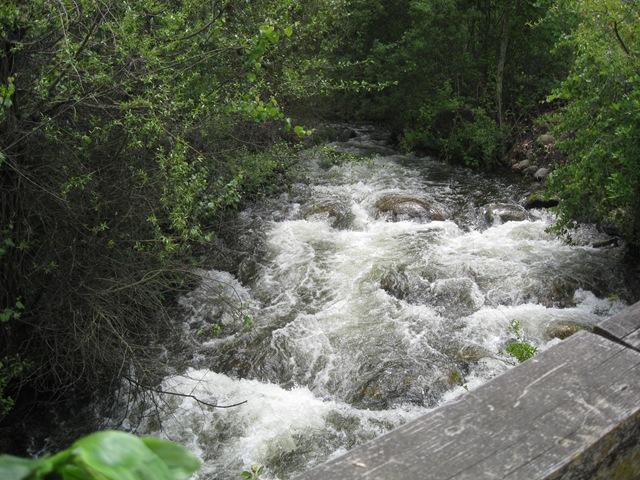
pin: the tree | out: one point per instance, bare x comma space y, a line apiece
128, 130
463, 71
599, 121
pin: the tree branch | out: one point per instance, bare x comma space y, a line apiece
624, 47
186, 395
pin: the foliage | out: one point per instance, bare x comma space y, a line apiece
456, 132
456, 378
459, 74
520, 349
129, 131
107, 455
10, 369
253, 474
599, 120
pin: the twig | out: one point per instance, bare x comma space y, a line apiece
186, 395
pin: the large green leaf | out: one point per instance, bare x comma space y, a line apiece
118, 456
181, 462
16, 468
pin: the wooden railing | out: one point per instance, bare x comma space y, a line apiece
570, 412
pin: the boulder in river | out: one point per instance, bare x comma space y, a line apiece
520, 166
471, 354
340, 216
563, 329
397, 208
537, 200
499, 213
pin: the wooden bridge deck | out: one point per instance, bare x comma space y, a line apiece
570, 412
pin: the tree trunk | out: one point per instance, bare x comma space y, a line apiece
504, 41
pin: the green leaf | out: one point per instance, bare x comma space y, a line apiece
288, 31
72, 472
299, 130
119, 456
181, 462
16, 468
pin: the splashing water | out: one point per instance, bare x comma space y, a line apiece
377, 293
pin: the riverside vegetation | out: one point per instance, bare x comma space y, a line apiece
130, 131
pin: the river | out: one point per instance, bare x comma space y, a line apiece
369, 294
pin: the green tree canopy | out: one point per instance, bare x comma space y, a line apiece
599, 122
465, 71
127, 130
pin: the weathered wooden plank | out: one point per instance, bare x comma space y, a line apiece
623, 327
558, 415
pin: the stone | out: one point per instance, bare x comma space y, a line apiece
340, 216
347, 134
563, 329
541, 174
472, 354
499, 213
536, 200
397, 208
520, 166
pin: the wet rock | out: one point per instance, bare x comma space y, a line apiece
563, 329
537, 200
340, 216
610, 242
471, 354
520, 166
499, 213
561, 294
541, 174
397, 208
347, 134
388, 388
394, 284
456, 296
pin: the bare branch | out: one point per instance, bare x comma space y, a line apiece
185, 395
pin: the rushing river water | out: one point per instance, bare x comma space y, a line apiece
377, 291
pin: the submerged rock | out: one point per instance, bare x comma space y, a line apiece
396, 208
471, 354
340, 216
563, 329
499, 213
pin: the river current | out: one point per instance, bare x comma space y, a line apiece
371, 293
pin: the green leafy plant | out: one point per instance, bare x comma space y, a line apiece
597, 119
10, 368
456, 378
253, 474
13, 313
156, 121
521, 349
108, 455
